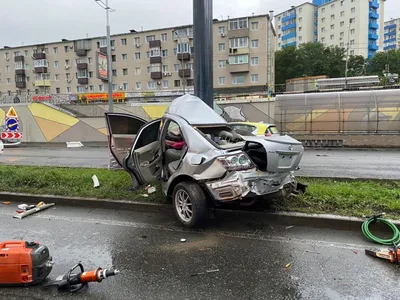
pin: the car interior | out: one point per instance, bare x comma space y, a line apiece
223, 136
175, 147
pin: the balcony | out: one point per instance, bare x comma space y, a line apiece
373, 15
40, 69
237, 51
83, 80
82, 66
183, 56
81, 52
374, 4
390, 47
20, 85
184, 72
373, 26
20, 81
242, 32
20, 72
39, 55
289, 17
238, 68
19, 58
289, 36
155, 44
390, 40
289, 45
155, 59
390, 26
373, 47
373, 36
156, 75
43, 82
290, 26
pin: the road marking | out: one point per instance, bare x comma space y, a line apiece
248, 236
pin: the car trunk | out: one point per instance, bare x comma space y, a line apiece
275, 154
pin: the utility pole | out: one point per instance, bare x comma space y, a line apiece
203, 51
347, 55
109, 59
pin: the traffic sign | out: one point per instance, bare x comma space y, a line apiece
12, 124
12, 113
11, 135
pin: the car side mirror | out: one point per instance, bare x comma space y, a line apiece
197, 159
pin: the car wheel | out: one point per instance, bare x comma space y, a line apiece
190, 204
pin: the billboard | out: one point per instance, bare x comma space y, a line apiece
101, 66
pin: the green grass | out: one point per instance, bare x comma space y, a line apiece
352, 198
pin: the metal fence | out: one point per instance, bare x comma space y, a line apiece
339, 112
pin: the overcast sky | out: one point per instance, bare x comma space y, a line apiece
40, 21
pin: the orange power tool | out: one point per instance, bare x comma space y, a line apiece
74, 282
24, 263
391, 254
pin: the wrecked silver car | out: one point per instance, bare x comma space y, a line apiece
200, 160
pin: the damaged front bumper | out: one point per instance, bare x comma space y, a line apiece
250, 183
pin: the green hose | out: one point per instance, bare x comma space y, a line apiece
395, 240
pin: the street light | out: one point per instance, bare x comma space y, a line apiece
347, 55
109, 67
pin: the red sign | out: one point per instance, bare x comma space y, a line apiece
11, 135
42, 98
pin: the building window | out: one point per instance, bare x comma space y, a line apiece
176, 67
91, 88
149, 70
137, 55
150, 38
190, 82
332, 6
221, 30
323, 9
19, 65
91, 74
300, 9
254, 61
254, 25
322, 40
155, 52
332, 17
165, 68
300, 19
352, 42
332, 37
342, 35
342, 13
238, 79
66, 49
138, 85
164, 37
124, 56
221, 80
68, 90
164, 53
112, 43
323, 29
67, 63
351, 52
332, 26
342, 24
323, 20
254, 44
254, 77
353, 10
352, 31
177, 83
300, 38
113, 58
68, 76
242, 42
101, 88
82, 74
125, 71
58, 90
123, 42
125, 86
8, 80
80, 89
238, 24
137, 41
114, 73
221, 47
56, 77
55, 50
239, 59
165, 84
90, 60
148, 54
152, 85
183, 48
222, 63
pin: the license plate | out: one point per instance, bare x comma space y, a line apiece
285, 161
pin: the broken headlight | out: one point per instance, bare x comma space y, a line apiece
236, 162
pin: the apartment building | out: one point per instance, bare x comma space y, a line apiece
391, 35
357, 23
296, 26
153, 60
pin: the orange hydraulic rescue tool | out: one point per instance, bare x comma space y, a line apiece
392, 254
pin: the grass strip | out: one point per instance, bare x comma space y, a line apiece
351, 198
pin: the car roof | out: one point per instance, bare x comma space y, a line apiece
194, 110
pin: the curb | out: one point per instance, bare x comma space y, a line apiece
282, 218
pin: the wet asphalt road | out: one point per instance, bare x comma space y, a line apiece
383, 164
251, 257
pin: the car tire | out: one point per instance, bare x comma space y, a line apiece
192, 195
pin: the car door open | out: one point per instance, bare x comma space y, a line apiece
122, 132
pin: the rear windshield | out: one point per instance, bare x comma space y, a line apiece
273, 129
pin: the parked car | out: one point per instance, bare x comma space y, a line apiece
201, 160
260, 129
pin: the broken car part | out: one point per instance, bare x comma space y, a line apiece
72, 282
24, 263
33, 210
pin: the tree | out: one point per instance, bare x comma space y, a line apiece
356, 65
286, 65
377, 64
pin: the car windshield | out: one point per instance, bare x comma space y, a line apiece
273, 129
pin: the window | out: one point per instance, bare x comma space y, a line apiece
190, 82
352, 42
352, 31
221, 80
165, 68
242, 42
332, 6
332, 17
222, 63
137, 41
55, 50
123, 42
351, 52
254, 25
19, 65
125, 86
177, 83
332, 37
91, 74
80, 89
300, 38
254, 44
56, 77
149, 70
300, 19
221, 47
152, 85
113, 58
238, 79
67, 63
176, 67
26, 52
138, 71
221, 29
124, 56
68, 76
164, 53
323, 20
254, 77
90, 60
114, 73
323, 29
137, 55
101, 88
37, 64
165, 83
323, 9
91, 88
148, 54
183, 48
138, 85
353, 10
300, 9
322, 40
342, 13
66, 49
125, 71
239, 59
155, 52
238, 24
68, 90
150, 38
342, 35
112, 43
82, 74
8, 80
254, 61
58, 90
164, 37
342, 24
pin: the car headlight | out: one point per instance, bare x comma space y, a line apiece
236, 162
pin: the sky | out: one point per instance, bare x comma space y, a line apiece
25, 22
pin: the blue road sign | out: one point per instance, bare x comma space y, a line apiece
12, 124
